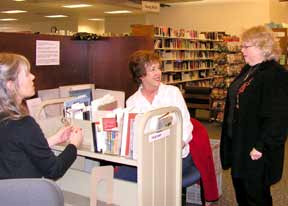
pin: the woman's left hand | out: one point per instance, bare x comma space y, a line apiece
61, 136
255, 154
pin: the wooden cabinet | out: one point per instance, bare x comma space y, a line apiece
102, 62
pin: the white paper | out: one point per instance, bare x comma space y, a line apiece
47, 52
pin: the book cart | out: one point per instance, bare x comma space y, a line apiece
158, 159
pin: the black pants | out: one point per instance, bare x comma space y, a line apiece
129, 173
252, 192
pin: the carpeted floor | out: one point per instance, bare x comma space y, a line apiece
279, 190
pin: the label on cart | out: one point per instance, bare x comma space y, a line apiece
159, 135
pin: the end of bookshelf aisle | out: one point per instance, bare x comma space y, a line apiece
228, 65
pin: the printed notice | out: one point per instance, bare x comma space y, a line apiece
47, 52
159, 135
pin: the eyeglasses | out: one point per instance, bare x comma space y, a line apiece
246, 46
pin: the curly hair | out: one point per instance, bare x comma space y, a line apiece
263, 38
9, 71
138, 62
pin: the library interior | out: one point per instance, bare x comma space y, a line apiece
79, 53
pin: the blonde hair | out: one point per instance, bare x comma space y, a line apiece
9, 71
263, 38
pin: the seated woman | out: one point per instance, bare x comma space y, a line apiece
24, 151
145, 69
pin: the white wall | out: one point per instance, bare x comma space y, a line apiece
96, 27
121, 24
12, 27
229, 17
278, 11
45, 27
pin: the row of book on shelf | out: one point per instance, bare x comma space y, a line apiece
186, 33
185, 55
112, 127
183, 44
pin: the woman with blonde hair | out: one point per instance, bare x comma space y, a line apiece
255, 120
24, 151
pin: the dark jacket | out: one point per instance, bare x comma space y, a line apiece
25, 153
260, 121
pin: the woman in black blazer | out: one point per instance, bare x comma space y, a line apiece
255, 120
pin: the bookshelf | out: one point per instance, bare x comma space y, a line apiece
228, 65
158, 156
187, 56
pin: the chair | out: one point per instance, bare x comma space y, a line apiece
30, 192
190, 177
201, 153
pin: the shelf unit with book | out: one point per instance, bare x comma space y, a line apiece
158, 155
228, 64
187, 55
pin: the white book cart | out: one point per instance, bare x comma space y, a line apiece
159, 163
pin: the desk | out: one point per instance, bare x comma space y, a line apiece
159, 162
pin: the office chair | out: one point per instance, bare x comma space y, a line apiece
30, 192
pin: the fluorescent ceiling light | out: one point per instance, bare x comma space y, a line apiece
118, 12
19, 0
72, 6
96, 19
8, 19
13, 12
56, 16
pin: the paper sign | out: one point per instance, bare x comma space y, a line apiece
151, 6
159, 135
47, 52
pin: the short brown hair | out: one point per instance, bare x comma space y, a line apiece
138, 61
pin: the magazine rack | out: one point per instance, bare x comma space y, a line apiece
159, 162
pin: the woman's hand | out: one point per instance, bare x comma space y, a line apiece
61, 136
255, 154
76, 136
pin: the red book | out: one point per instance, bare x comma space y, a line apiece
127, 133
109, 123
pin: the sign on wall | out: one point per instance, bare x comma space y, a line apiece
47, 52
151, 6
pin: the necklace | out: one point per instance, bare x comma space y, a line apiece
245, 83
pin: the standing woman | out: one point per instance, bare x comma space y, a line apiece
255, 120
24, 151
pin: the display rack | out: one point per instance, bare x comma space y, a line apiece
228, 64
158, 157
